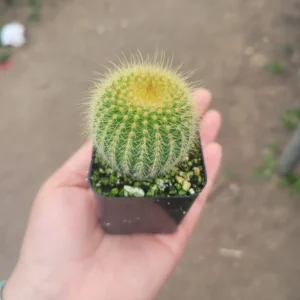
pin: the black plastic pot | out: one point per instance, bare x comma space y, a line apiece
130, 215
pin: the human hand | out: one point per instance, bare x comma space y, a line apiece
67, 256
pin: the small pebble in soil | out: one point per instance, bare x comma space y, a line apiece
196, 171
179, 179
192, 191
186, 185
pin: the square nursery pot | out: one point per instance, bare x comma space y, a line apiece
153, 215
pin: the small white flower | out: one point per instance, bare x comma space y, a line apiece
13, 34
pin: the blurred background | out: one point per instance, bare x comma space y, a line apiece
246, 245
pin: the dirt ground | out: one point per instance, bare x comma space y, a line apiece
229, 42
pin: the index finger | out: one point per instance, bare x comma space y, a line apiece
74, 171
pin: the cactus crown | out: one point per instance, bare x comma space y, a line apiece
142, 118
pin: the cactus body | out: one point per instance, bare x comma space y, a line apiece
142, 119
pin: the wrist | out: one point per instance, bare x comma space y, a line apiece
35, 282
2, 284
20, 287
17, 289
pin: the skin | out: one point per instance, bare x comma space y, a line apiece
66, 256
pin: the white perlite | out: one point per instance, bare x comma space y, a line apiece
133, 191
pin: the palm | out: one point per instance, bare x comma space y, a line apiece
64, 242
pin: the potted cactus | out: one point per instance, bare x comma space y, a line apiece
147, 164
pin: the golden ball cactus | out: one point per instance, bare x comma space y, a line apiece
142, 117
